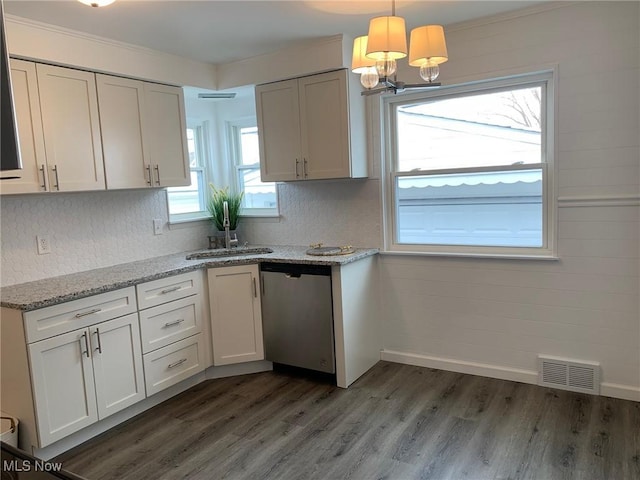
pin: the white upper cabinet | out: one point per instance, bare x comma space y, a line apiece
121, 121
73, 146
84, 131
58, 130
33, 175
279, 131
166, 135
143, 133
311, 128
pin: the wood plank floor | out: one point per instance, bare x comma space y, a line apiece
397, 422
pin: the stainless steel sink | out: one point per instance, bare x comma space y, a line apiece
228, 252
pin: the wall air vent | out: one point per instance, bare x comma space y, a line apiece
576, 376
217, 95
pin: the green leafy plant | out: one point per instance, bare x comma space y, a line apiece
215, 206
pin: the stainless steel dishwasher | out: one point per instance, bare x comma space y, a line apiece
297, 315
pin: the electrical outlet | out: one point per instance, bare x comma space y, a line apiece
44, 246
157, 226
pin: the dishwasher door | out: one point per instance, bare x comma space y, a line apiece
297, 316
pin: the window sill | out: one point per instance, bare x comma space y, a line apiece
499, 256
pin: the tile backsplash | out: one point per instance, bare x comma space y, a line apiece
99, 229
87, 230
334, 212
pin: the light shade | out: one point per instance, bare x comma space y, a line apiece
97, 3
387, 39
427, 46
359, 61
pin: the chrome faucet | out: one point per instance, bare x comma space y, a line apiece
228, 241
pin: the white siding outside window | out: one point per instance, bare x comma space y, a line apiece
470, 169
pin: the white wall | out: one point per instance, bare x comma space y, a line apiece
493, 317
39, 41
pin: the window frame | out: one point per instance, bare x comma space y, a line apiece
233, 138
201, 127
389, 103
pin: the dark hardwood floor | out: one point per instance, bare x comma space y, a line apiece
397, 422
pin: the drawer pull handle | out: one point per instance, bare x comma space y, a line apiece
90, 312
171, 324
99, 349
86, 344
175, 364
169, 290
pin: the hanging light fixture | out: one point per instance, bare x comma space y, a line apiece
375, 55
97, 3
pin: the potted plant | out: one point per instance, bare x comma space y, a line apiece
215, 205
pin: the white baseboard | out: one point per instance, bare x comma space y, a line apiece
449, 364
625, 392
239, 369
615, 390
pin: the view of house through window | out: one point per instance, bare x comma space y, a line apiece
470, 167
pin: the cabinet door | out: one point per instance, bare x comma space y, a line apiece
117, 364
63, 385
167, 135
279, 131
71, 126
32, 177
324, 123
236, 318
121, 122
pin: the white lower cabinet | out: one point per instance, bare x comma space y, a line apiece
171, 326
117, 364
172, 364
236, 316
85, 375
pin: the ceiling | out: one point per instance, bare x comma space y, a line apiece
224, 31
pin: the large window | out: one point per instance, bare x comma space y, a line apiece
470, 168
189, 202
260, 198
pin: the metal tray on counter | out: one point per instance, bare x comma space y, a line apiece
319, 251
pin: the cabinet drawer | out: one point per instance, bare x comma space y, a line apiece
167, 289
170, 322
68, 316
172, 364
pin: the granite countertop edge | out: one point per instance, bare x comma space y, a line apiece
52, 291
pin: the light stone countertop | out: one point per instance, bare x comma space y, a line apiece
51, 291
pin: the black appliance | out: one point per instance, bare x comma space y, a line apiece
10, 159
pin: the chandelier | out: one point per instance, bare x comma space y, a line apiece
375, 54
97, 3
